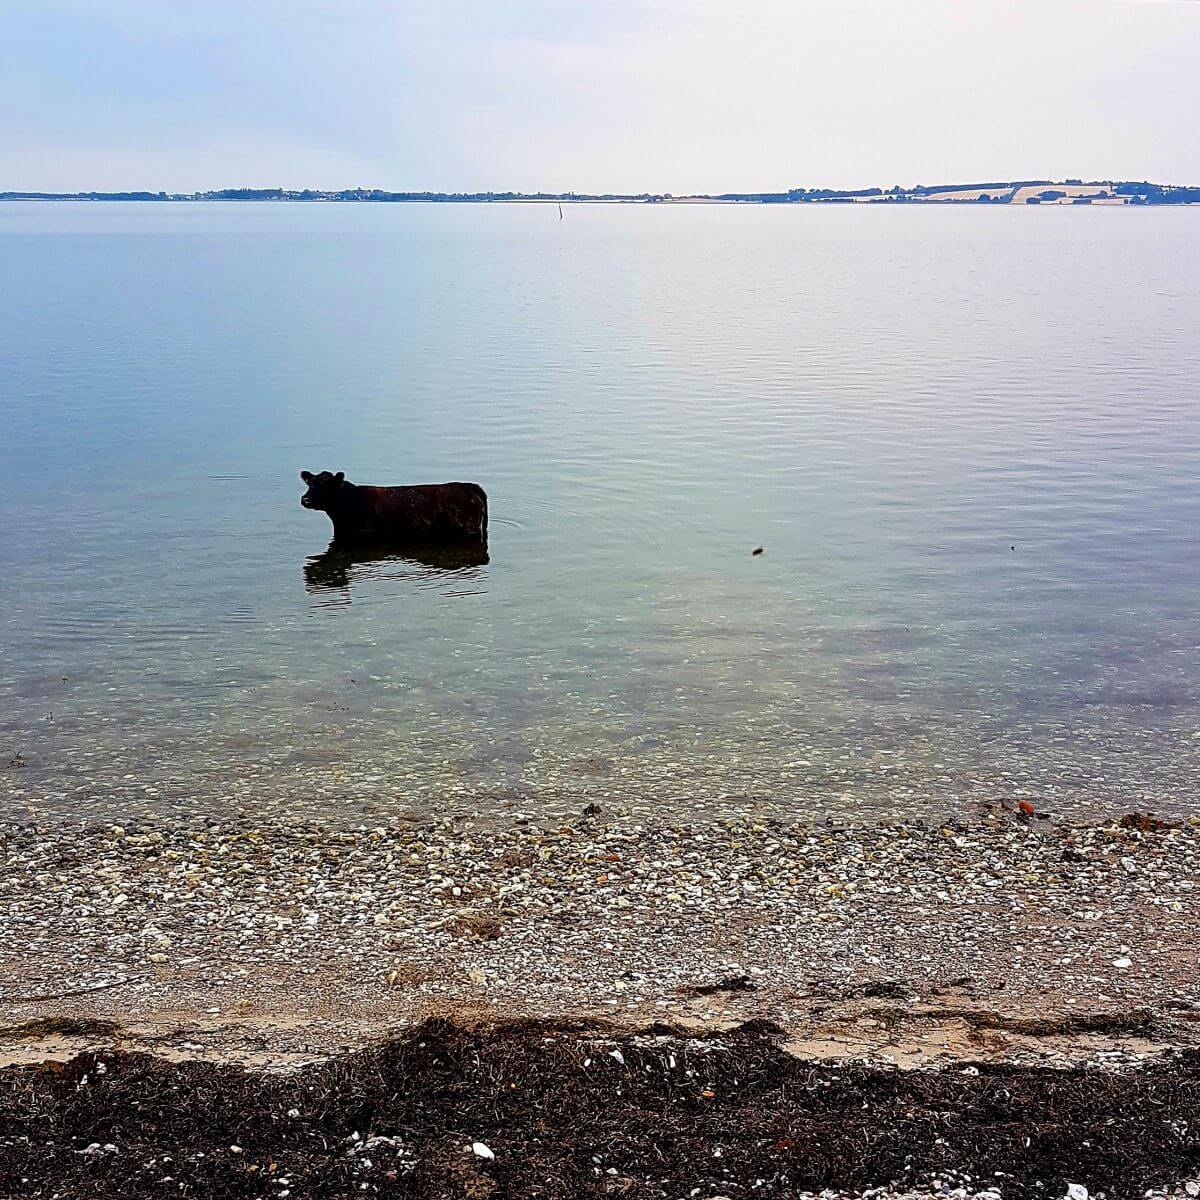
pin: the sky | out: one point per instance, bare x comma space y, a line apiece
676, 96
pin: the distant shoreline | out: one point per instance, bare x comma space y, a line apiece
1026, 191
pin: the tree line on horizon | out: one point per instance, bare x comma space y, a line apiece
1134, 192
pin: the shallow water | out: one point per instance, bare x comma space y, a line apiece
966, 439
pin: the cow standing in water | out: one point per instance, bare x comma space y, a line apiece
431, 514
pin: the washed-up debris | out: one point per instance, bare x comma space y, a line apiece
727, 983
741, 1117
1146, 822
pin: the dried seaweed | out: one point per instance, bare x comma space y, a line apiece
729, 1114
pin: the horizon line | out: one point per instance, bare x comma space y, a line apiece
1069, 190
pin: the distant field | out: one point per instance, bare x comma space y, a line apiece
1088, 190
1003, 193
963, 194
970, 194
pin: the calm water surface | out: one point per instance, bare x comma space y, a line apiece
967, 440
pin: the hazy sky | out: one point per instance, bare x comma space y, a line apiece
659, 95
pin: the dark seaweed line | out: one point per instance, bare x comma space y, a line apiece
730, 1114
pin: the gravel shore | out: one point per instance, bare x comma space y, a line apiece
908, 943
1006, 1007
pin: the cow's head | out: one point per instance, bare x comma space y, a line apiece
323, 489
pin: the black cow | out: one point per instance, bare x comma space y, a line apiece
431, 514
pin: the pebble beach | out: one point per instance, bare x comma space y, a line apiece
487, 976
240, 940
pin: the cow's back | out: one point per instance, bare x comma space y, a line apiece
426, 511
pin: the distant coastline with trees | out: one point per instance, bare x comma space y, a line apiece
1026, 191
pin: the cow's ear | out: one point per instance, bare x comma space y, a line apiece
306, 476
340, 476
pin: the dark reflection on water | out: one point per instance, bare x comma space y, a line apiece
344, 564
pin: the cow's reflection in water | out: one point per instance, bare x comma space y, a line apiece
345, 564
